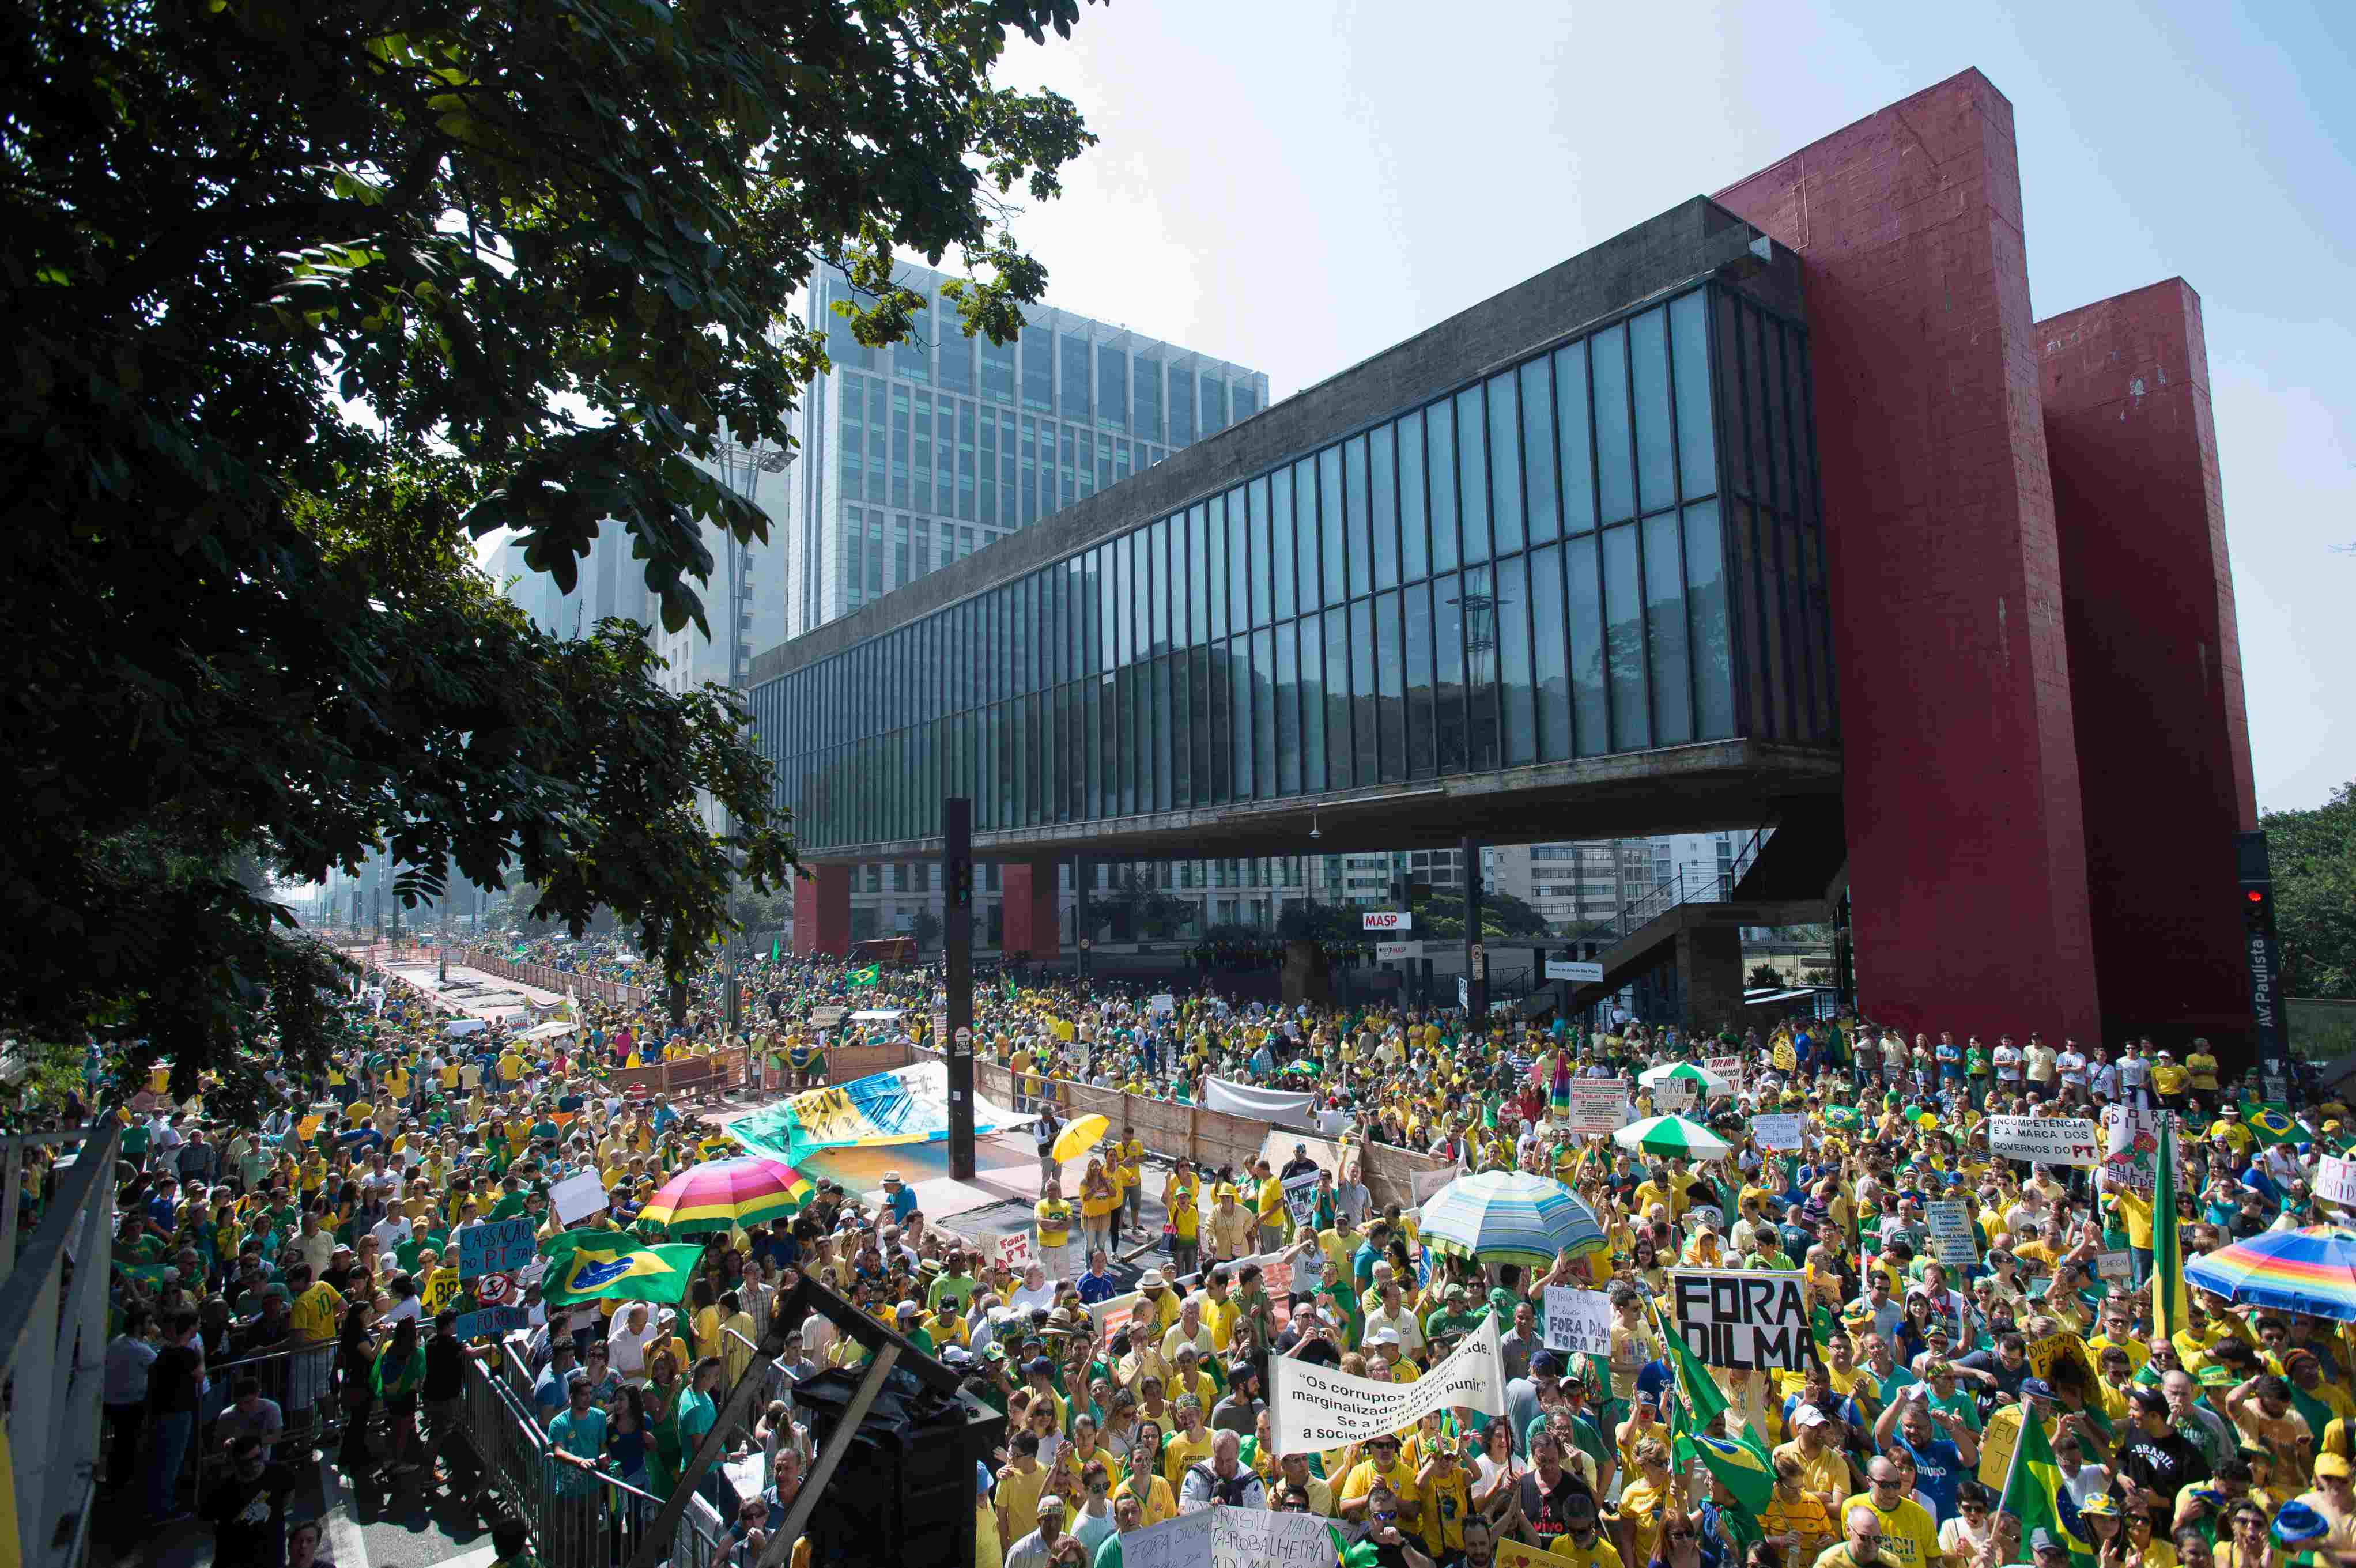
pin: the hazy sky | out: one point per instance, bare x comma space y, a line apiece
1296, 186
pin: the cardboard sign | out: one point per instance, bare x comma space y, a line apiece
1786, 1056
1314, 1407
1997, 1443
2335, 1180
491, 1320
1953, 1240
1014, 1251
1672, 1097
576, 1197
1751, 1319
1300, 1197
2130, 1148
1232, 1538
1780, 1132
2117, 1268
502, 1246
2050, 1352
1726, 1067
1578, 1321
2045, 1140
1597, 1105
1162, 1004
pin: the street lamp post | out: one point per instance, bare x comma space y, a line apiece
741, 468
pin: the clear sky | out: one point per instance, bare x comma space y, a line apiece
1297, 184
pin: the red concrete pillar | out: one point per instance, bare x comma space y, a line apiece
1033, 919
2154, 662
1966, 845
823, 911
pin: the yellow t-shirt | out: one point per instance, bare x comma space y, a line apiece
1602, 1554
1446, 1499
1055, 1225
2204, 1068
1179, 1451
315, 1311
1398, 1478
1018, 1494
1908, 1535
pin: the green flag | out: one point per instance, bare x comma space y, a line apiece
1006, 984
2171, 1303
871, 975
581, 1265
773, 950
2033, 1494
1739, 1461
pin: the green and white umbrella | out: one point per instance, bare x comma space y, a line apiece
1715, 1086
1672, 1136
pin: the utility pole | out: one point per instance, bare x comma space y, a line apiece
741, 468
442, 938
1476, 951
957, 971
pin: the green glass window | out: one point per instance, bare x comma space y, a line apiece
1664, 603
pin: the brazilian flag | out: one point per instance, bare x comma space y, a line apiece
582, 1265
2034, 1496
1740, 1463
1847, 1117
2271, 1122
871, 975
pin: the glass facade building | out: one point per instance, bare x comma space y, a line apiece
1611, 545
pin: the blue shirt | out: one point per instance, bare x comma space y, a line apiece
1095, 1287
903, 1203
583, 1435
1938, 1467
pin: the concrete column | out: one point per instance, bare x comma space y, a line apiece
1030, 923
823, 911
1710, 978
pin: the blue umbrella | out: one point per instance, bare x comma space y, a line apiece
1508, 1216
2312, 1271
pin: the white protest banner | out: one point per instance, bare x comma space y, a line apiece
1672, 1096
1953, 1240
1181, 1542
1578, 1321
1428, 1184
2335, 1180
576, 1196
2045, 1140
1311, 1407
1162, 1004
1300, 1197
2117, 1267
502, 1246
1231, 1538
1597, 1105
1726, 1067
1780, 1132
1014, 1251
2130, 1148
1745, 1320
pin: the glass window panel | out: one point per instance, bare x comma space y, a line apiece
1415, 552
1112, 387
1263, 697
1624, 604
1440, 419
1239, 713
1551, 655
1390, 677
1285, 534
1312, 704
1305, 531
1124, 739
1418, 636
1223, 728
1038, 345
956, 351
1147, 382
1706, 598
1367, 725
1665, 602
1075, 390
911, 356
1182, 406
1383, 486
1159, 720
1339, 758
1239, 562
1591, 726
1111, 715
1538, 451
1182, 733
1616, 486
1256, 553
1287, 676
1505, 463
996, 370
1481, 648
1648, 353
1198, 577
1697, 442
1214, 404
1214, 524
1333, 540
1448, 653
1354, 493
1514, 694
1158, 552
1471, 477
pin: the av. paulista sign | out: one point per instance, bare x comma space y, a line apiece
1318, 1407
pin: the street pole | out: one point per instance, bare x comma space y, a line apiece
956, 963
1476, 954
442, 938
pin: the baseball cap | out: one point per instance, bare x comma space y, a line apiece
1809, 1416
2037, 1388
2043, 1540
2331, 1464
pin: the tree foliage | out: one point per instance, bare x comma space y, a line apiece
2313, 856
304, 297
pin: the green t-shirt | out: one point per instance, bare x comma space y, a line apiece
1976, 1062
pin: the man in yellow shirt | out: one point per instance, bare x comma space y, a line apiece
1381, 1462
1910, 1536
1054, 1216
1658, 1187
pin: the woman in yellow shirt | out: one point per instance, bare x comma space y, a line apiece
1144, 1482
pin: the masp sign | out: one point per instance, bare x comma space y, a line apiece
1386, 920
1747, 1320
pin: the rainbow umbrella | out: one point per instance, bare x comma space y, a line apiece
1508, 1216
2311, 1271
722, 1194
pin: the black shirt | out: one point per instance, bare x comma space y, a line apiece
249, 1518
172, 1380
1548, 1511
445, 1369
2160, 1465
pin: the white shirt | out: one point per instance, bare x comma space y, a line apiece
2073, 1066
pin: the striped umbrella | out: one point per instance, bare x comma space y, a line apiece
2312, 1271
1672, 1136
1714, 1085
722, 1194
1508, 1216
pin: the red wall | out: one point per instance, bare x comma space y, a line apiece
2154, 661
1030, 923
1967, 857
823, 911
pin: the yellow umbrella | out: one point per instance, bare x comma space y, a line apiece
1080, 1137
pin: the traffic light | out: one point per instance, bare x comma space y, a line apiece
957, 881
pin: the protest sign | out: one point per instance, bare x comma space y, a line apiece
1742, 1320
1997, 1443
1780, 1132
2051, 1352
1786, 1057
1162, 1004
2117, 1268
2130, 1148
1513, 1554
1597, 1105
491, 1320
1726, 1067
576, 1197
1578, 1321
1312, 1407
502, 1246
1673, 1095
1014, 1251
2045, 1140
1953, 1240
2335, 1180
1300, 1197
1231, 1538
1428, 1184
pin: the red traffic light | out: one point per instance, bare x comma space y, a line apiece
2254, 896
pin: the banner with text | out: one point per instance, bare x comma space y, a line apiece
1597, 1105
1300, 1197
1749, 1320
501, 1246
1311, 1408
2335, 1180
1780, 1132
1953, 1240
2045, 1140
1578, 1321
1231, 1538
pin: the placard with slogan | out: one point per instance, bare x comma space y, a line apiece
2335, 1180
1953, 1240
1300, 1197
1320, 1407
1231, 1538
502, 1246
1726, 1067
1597, 1105
1750, 1319
1780, 1132
2045, 1140
1578, 1321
